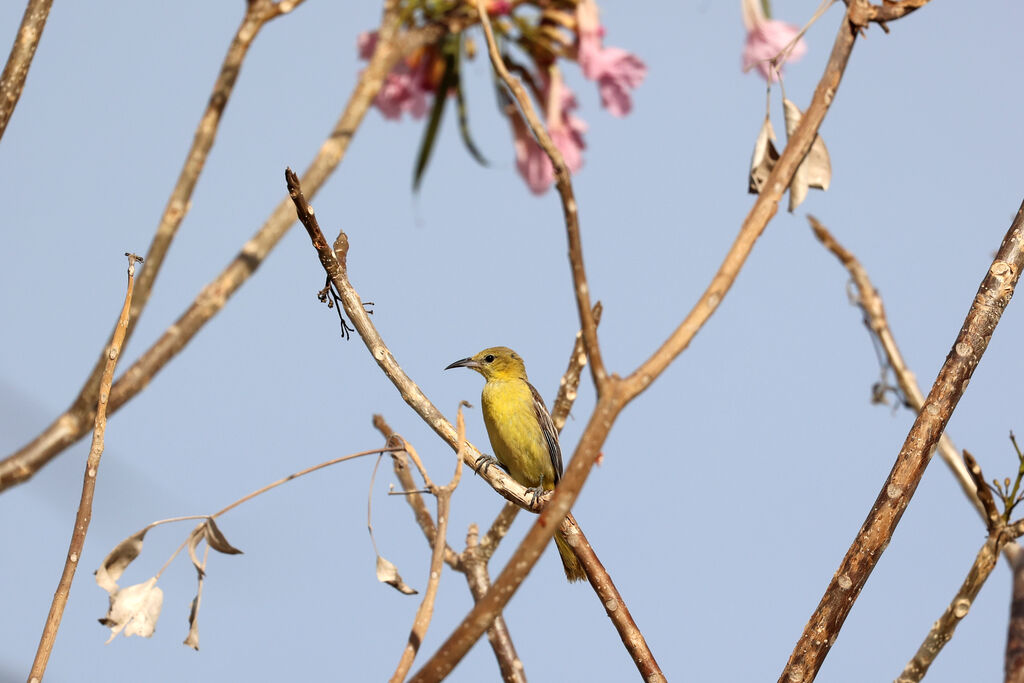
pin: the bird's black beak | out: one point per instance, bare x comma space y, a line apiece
464, 363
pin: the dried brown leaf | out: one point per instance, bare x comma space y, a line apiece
119, 558
816, 168
388, 573
134, 610
215, 538
197, 535
763, 160
192, 640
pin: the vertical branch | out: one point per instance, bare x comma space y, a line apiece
12, 80
426, 609
1015, 629
474, 562
993, 295
563, 182
84, 514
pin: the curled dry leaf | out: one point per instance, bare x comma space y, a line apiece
119, 558
217, 540
815, 170
134, 610
211, 533
192, 639
388, 573
763, 160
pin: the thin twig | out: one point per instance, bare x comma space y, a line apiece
426, 609
400, 462
12, 80
991, 300
942, 630
570, 382
563, 183
260, 491
472, 562
84, 514
72, 424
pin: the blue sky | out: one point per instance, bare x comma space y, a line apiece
728, 492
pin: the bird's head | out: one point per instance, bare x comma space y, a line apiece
495, 363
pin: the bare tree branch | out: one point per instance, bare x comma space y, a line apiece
763, 210
942, 630
614, 606
870, 303
334, 263
563, 182
426, 609
257, 14
1015, 629
84, 514
993, 296
72, 424
890, 10
12, 80
474, 562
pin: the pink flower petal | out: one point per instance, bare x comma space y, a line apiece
765, 41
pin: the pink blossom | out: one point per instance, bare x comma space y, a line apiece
766, 38
615, 70
404, 89
566, 131
499, 7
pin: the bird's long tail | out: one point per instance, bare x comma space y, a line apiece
571, 564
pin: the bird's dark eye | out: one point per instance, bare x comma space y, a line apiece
489, 358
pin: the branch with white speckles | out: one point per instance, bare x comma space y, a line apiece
993, 295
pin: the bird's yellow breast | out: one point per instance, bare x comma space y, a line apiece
515, 433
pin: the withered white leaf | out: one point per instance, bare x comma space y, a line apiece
119, 558
134, 610
192, 640
215, 538
388, 573
763, 160
815, 170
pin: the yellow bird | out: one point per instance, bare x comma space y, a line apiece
522, 434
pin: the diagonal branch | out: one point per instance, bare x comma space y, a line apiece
257, 14
563, 182
991, 300
942, 630
870, 303
334, 262
12, 80
73, 423
764, 209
